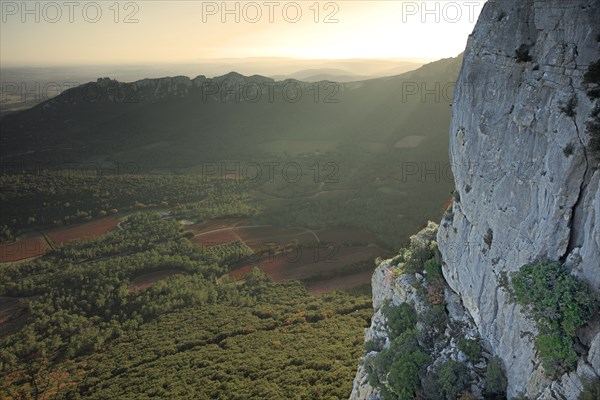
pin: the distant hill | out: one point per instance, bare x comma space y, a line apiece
323, 74
380, 146
178, 121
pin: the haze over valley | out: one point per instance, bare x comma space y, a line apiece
363, 200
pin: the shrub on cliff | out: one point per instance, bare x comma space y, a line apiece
403, 377
522, 53
434, 323
371, 345
430, 388
453, 378
593, 127
395, 371
559, 304
433, 271
592, 77
399, 319
556, 352
471, 348
591, 389
495, 379
422, 248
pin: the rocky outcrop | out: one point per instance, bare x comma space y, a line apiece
528, 189
392, 283
527, 184
228, 88
153, 90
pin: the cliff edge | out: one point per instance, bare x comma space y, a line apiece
524, 153
527, 184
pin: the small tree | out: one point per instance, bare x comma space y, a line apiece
495, 379
453, 378
399, 319
471, 348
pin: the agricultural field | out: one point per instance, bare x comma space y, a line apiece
215, 238
23, 249
261, 236
215, 232
215, 224
86, 230
321, 258
346, 235
37, 245
313, 263
317, 288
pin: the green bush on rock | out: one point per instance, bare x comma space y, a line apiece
433, 270
559, 304
471, 348
495, 379
453, 378
399, 319
396, 370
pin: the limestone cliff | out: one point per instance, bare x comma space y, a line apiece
394, 285
527, 180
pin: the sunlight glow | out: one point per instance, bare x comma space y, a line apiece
34, 33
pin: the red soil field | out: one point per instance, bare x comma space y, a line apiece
215, 238
339, 283
22, 249
215, 224
311, 259
311, 262
258, 236
83, 231
326, 261
144, 281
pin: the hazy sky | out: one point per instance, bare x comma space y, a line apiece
150, 31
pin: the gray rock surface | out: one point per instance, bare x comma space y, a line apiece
528, 188
391, 283
522, 196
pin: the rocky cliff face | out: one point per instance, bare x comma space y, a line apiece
442, 321
527, 182
528, 186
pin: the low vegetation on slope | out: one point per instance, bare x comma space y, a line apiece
429, 352
560, 304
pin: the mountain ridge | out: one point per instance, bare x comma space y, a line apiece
195, 111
